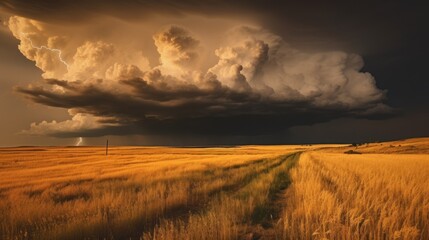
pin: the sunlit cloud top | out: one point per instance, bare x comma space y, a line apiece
140, 76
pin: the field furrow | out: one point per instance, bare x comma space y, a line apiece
368, 196
230, 214
221, 193
73, 193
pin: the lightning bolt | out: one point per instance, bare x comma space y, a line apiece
79, 141
55, 50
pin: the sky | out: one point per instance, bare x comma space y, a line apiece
141, 72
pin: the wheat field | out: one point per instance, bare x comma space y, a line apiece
367, 196
243, 192
133, 193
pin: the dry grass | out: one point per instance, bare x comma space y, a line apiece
215, 193
77, 193
230, 216
406, 146
368, 196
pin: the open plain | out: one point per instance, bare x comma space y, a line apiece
365, 191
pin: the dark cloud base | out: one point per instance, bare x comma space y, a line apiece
369, 24
218, 111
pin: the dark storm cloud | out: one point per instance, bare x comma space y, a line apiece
375, 29
258, 84
379, 31
333, 16
66, 10
216, 110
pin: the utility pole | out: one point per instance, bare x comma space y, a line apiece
107, 146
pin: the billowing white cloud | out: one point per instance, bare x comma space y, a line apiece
123, 71
78, 122
256, 72
92, 59
177, 48
277, 70
102, 60
68, 58
39, 47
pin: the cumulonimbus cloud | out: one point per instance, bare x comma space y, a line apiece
257, 80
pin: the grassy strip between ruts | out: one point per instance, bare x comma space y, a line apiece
268, 211
229, 215
202, 187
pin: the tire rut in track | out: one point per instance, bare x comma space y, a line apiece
183, 212
267, 215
